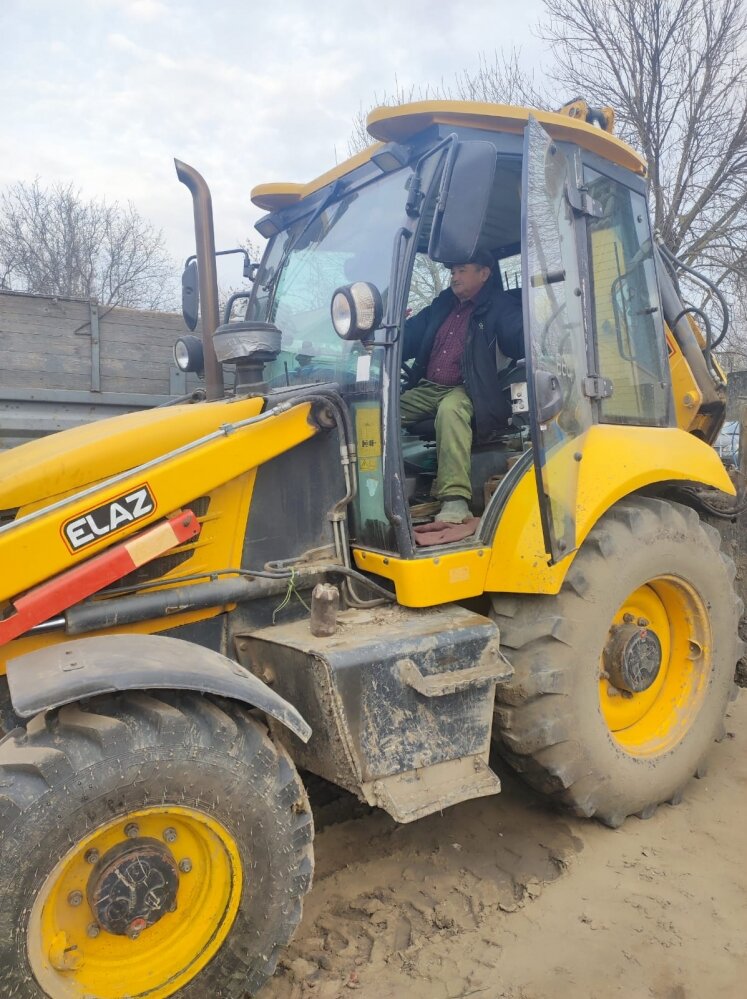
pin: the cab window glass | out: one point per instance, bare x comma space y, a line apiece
429, 279
509, 269
626, 308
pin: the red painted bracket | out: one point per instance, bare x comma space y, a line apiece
89, 577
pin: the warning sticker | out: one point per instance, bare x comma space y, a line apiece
368, 433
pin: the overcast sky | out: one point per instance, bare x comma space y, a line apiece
105, 93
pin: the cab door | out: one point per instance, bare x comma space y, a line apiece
555, 341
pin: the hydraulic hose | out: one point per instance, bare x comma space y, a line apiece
675, 262
129, 606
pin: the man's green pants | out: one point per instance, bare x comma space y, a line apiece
452, 409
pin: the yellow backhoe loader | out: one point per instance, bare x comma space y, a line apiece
199, 600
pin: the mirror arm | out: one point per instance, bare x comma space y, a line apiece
230, 303
415, 194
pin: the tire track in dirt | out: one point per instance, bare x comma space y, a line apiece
461, 904
395, 895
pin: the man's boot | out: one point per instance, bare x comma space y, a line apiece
454, 510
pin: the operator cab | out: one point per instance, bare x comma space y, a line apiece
560, 205
467, 198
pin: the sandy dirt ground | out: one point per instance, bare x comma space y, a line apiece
505, 898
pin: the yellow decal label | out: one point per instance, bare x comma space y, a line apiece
368, 433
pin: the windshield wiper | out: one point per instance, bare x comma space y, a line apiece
272, 284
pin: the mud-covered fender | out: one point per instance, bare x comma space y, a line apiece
60, 674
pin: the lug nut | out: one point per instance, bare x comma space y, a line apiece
93, 930
185, 866
75, 898
643, 622
169, 834
132, 830
628, 618
136, 927
92, 856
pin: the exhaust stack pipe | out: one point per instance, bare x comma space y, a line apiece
208, 275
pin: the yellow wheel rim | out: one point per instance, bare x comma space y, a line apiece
72, 950
651, 721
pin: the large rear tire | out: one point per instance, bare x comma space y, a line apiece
622, 679
150, 846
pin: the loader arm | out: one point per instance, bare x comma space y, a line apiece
42, 542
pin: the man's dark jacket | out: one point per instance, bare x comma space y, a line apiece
497, 316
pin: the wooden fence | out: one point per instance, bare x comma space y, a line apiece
69, 361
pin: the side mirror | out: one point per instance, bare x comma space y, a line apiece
548, 395
190, 295
463, 198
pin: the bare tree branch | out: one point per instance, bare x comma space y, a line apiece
53, 242
673, 71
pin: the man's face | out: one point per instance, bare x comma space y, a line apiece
467, 279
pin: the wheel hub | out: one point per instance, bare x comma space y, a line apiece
132, 886
633, 657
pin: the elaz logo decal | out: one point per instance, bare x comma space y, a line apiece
108, 518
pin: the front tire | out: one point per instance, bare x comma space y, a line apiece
622, 679
150, 846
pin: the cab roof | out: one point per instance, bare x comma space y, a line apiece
405, 121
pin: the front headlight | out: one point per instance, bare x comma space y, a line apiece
342, 313
356, 310
188, 354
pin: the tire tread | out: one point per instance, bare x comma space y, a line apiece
543, 638
76, 737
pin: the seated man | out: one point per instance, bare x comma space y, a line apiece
459, 343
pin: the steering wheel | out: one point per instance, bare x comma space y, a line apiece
406, 380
